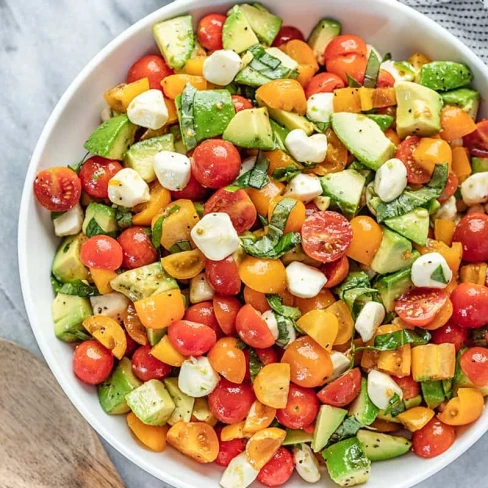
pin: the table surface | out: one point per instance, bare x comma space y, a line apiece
41, 51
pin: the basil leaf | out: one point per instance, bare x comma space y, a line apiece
187, 120
276, 303
94, 229
348, 428
76, 167
79, 289
123, 216
263, 220
396, 406
157, 231
352, 82
372, 70
356, 298
180, 246
386, 57
257, 177
355, 279
255, 364
286, 174
280, 216
55, 284
200, 208
283, 334
438, 275
394, 340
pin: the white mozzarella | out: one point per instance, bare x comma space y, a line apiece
395, 70
448, 210
369, 319
247, 165
431, 271
320, 107
128, 189
221, 67
340, 362
323, 203
306, 463
112, 305
148, 110
304, 281
306, 149
475, 189
382, 388
172, 169
286, 61
390, 180
106, 114
200, 289
304, 188
270, 319
70, 222
239, 473
197, 378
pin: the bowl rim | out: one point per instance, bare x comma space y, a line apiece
470, 437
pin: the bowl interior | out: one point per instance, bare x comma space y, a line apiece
388, 25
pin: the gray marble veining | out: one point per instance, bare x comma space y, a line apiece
43, 45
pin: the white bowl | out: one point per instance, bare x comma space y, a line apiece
387, 24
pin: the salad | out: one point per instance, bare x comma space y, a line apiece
274, 254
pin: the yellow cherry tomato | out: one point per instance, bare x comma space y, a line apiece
233, 431
463, 409
346, 323
152, 437
366, 239
323, 300
196, 440
159, 311
285, 94
102, 279
321, 326
228, 359
259, 417
263, 275
263, 445
184, 265
108, 332
159, 198
165, 352
272, 384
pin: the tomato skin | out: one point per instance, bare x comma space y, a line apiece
353, 65
287, 33
102, 252
472, 233
470, 304
452, 334
191, 338
203, 313
323, 83
343, 45
192, 191
267, 355
95, 175
385, 79
419, 306
226, 310
416, 175
152, 67
474, 363
223, 276
147, 367
278, 470
230, 402
409, 386
209, 31
343, 390
92, 362
477, 141
433, 439
228, 450
241, 103
450, 188
301, 409
57, 189
336, 271
252, 328
137, 248
216, 163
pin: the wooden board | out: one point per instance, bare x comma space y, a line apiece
44, 441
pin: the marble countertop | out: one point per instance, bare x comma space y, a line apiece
41, 50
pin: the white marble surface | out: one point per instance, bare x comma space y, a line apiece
43, 45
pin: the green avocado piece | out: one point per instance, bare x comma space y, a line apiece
112, 392
328, 420
264, 24
444, 75
381, 447
433, 393
413, 402
67, 265
184, 403
479, 165
155, 335
465, 98
297, 437
413, 225
363, 409
237, 33
100, 219
321, 35
69, 312
364, 138
112, 138
291, 121
393, 286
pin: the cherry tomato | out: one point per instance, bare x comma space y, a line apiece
92, 362
216, 163
323, 83
236, 204
416, 175
226, 310
267, 355
477, 141
310, 208
470, 303
191, 338
228, 450
336, 271
433, 439
192, 191
95, 175
223, 276
241, 103
353, 65
409, 386
326, 236
102, 252
132, 345
472, 233
278, 470
57, 189
450, 333
152, 67
209, 31
287, 33
137, 248
203, 313
474, 363
230, 402
343, 45
343, 390
252, 328
419, 307
385, 79
147, 367
301, 409
450, 188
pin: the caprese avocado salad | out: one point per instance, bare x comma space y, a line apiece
274, 254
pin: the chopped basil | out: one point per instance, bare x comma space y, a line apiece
386, 57
286, 174
94, 229
352, 82
187, 121
372, 70
276, 303
257, 177
200, 208
439, 276
180, 247
255, 364
79, 288
348, 428
399, 338
123, 216
263, 220
396, 406
283, 335
356, 299
355, 279
55, 284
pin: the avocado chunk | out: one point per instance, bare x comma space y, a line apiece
444, 75
364, 138
251, 128
264, 24
394, 254
237, 33
479, 165
393, 286
415, 401
344, 189
143, 282
151, 403
328, 420
413, 225
140, 156
346, 463
418, 110
433, 393
112, 138
381, 447
321, 35
175, 40
291, 121
297, 437
100, 219
363, 409
383, 120
112, 392
69, 312
67, 265
183, 403
465, 98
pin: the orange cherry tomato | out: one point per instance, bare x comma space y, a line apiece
366, 239
353, 65
263, 275
226, 310
323, 300
256, 299
196, 440
442, 317
228, 359
152, 437
58, 189
252, 328
133, 325
262, 198
323, 83
259, 417
345, 44
263, 445
336, 271
463, 409
295, 218
272, 383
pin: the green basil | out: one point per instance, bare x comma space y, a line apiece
263, 220
287, 173
348, 428
355, 279
255, 364
268, 65
123, 216
352, 82
79, 288
356, 299
180, 247
257, 177
396, 406
187, 120
438, 275
283, 335
276, 304
386, 57
399, 338
200, 208
372, 70
56, 215
94, 229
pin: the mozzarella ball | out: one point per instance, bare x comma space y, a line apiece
304, 281
128, 189
390, 180
148, 110
197, 377
173, 170
431, 271
221, 67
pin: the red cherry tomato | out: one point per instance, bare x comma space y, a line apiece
192, 191
95, 175
336, 271
267, 355
452, 334
416, 175
209, 31
223, 276
323, 83
474, 363
343, 390
216, 163
301, 409
132, 345
286, 34
472, 233
226, 310
470, 303
137, 248
433, 439
203, 313
252, 328
101, 252
191, 338
236, 204
92, 362
278, 470
409, 386
477, 141
353, 65
344, 45
385, 79
147, 367
152, 67
419, 307
241, 103
230, 402
450, 188
326, 236
228, 450
57, 189
311, 208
